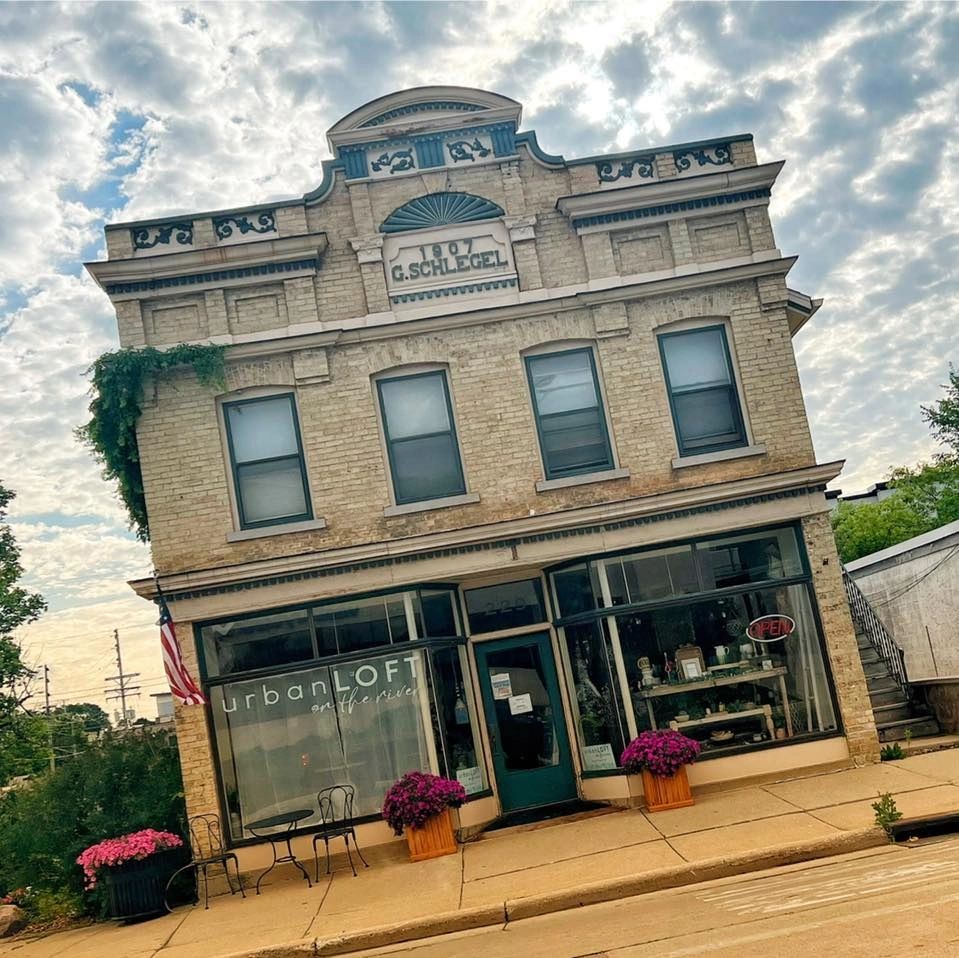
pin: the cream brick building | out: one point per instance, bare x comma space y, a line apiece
536, 421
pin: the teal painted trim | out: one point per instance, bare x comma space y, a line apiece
235, 465
459, 487
504, 139
427, 106
685, 449
193, 279
506, 543
644, 212
453, 290
551, 471
429, 152
326, 184
354, 162
440, 209
670, 148
528, 139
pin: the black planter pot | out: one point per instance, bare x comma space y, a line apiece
135, 889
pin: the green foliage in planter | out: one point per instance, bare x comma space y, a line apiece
123, 784
119, 379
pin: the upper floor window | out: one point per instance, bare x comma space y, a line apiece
702, 390
570, 418
266, 455
421, 437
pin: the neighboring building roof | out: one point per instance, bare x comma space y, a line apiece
910, 545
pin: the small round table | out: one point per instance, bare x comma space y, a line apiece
289, 819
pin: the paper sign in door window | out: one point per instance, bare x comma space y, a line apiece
471, 779
519, 704
501, 685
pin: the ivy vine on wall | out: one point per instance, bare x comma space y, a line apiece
118, 381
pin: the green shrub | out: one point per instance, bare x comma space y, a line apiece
891, 753
121, 785
887, 812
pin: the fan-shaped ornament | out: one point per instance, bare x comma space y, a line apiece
439, 209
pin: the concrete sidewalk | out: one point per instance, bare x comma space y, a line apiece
520, 872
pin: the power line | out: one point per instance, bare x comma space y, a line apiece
912, 585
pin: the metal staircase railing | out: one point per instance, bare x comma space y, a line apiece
870, 625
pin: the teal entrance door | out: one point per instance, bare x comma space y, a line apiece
524, 715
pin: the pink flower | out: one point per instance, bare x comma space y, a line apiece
662, 752
115, 851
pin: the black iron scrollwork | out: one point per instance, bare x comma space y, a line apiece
465, 150
223, 226
397, 162
181, 232
721, 156
643, 166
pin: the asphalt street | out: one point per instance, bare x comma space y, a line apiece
894, 901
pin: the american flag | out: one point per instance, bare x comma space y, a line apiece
181, 684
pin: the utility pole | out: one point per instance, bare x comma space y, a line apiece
46, 710
122, 688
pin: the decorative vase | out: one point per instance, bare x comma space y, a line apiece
433, 840
136, 889
666, 792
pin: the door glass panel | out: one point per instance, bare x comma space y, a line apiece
525, 726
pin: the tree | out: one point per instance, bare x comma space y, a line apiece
924, 497
91, 716
862, 530
943, 415
17, 608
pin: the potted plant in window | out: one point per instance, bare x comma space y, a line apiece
135, 869
419, 804
661, 756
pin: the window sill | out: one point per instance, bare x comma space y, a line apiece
607, 475
282, 529
447, 502
722, 455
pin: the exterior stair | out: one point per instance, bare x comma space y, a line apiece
898, 715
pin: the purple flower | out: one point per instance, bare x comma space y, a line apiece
662, 752
417, 797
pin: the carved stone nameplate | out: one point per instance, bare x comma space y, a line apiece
455, 261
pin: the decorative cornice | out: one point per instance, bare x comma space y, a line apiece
264, 223
147, 237
425, 294
568, 523
681, 206
393, 114
496, 544
216, 276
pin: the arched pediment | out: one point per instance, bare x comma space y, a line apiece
423, 104
440, 209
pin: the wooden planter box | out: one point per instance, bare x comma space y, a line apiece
433, 840
662, 793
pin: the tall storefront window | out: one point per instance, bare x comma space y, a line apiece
716, 638
381, 697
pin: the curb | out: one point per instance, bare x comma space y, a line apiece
515, 909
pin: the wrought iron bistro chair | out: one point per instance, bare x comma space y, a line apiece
206, 844
336, 820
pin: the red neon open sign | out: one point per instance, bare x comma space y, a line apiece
770, 628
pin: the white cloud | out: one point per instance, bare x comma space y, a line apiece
119, 111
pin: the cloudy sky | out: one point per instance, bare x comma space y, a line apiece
121, 110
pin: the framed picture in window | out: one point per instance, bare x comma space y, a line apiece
689, 662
